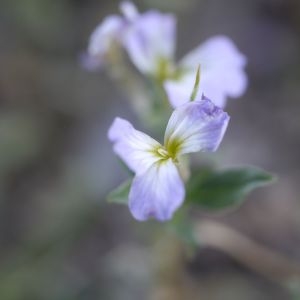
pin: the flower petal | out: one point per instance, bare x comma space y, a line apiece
156, 193
134, 147
220, 48
150, 38
129, 10
106, 33
222, 68
179, 91
196, 126
89, 62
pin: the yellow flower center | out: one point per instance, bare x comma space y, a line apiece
170, 150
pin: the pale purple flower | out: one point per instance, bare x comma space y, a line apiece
108, 34
128, 30
150, 42
221, 71
157, 189
150, 39
151, 46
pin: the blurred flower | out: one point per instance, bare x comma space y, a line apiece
150, 43
109, 34
150, 40
222, 72
157, 189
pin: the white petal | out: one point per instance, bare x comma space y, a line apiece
129, 10
133, 146
106, 33
179, 91
157, 193
151, 37
216, 50
222, 68
196, 126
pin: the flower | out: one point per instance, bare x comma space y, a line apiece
222, 72
157, 189
109, 34
115, 31
150, 39
103, 39
150, 43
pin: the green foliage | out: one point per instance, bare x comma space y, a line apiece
216, 190
120, 194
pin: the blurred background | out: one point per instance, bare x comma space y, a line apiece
59, 239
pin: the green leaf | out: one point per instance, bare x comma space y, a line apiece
120, 194
216, 190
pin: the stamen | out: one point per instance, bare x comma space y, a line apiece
163, 152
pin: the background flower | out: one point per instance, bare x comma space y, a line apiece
150, 41
222, 72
